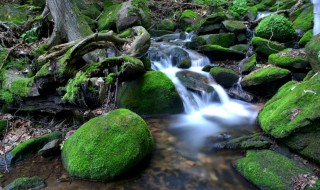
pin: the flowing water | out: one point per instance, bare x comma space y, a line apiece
184, 157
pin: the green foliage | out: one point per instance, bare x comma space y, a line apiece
6, 96
73, 87
276, 26
214, 3
239, 6
40, 50
306, 38
31, 35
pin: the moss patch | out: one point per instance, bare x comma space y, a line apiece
153, 93
255, 141
223, 76
269, 170
290, 59
313, 52
249, 64
107, 21
304, 21
265, 48
34, 182
306, 38
107, 146
224, 39
234, 26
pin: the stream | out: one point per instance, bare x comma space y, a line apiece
184, 156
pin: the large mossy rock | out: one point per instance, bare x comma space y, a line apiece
153, 93
276, 26
212, 23
306, 38
249, 64
224, 39
219, 53
26, 183
188, 20
265, 47
266, 81
223, 76
107, 146
234, 26
269, 170
292, 109
166, 24
291, 59
312, 49
304, 21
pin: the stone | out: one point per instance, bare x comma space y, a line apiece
151, 94
219, 53
306, 38
223, 39
312, 49
304, 21
265, 47
234, 26
223, 76
249, 64
266, 81
34, 182
184, 64
107, 146
166, 24
195, 81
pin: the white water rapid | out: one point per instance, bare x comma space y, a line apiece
206, 113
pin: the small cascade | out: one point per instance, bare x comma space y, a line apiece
263, 14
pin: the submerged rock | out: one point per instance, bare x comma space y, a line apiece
107, 146
312, 50
223, 76
195, 81
266, 81
269, 170
153, 93
265, 47
22, 183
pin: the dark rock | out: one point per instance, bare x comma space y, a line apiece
3, 126
224, 39
218, 53
157, 33
210, 29
225, 77
312, 50
234, 26
240, 47
240, 94
26, 183
249, 64
178, 54
241, 38
195, 81
184, 64
52, 148
265, 47
207, 68
166, 24
196, 43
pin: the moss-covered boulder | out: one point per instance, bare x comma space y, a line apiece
184, 64
223, 76
23, 183
240, 47
195, 43
265, 47
223, 39
292, 109
304, 21
166, 24
153, 93
269, 170
234, 26
177, 55
29, 147
212, 23
188, 20
195, 81
277, 26
266, 81
219, 53
107, 146
291, 59
306, 38
107, 21
249, 64
312, 49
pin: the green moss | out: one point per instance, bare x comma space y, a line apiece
108, 18
254, 141
304, 21
31, 146
184, 64
223, 76
13, 13
152, 93
73, 87
189, 14
21, 87
265, 47
3, 126
44, 71
166, 24
234, 26
313, 52
264, 75
291, 108
250, 64
306, 38
34, 182
126, 33
110, 78
289, 59
277, 26
40, 50
223, 39
217, 48
269, 170
240, 47
6, 96
107, 146
146, 62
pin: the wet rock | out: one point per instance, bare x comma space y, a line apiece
240, 47
266, 81
153, 93
195, 81
52, 148
234, 26
107, 146
168, 37
270, 170
22, 183
249, 64
255, 141
218, 53
265, 47
207, 68
184, 64
306, 38
157, 33
223, 39
178, 54
291, 59
196, 43
304, 21
241, 38
312, 49
240, 94
210, 29
29, 147
225, 77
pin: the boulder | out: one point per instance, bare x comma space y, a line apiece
312, 49
277, 26
292, 109
166, 24
177, 54
195, 43
306, 38
234, 26
270, 170
219, 53
240, 47
153, 93
223, 76
249, 64
188, 19
223, 39
304, 21
266, 81
291, 59
184, 64
212, 23
107, 146
195, 81
34, 182
265, 47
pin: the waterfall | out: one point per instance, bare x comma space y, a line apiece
316, 12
